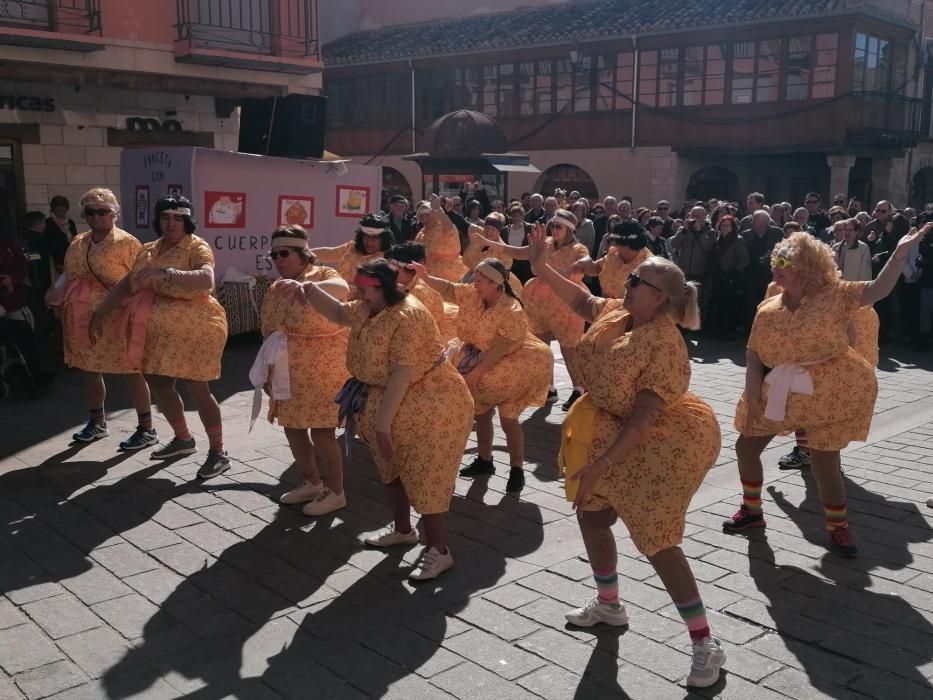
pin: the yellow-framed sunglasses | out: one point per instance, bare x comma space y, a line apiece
779, 262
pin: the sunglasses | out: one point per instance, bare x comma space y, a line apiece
634, 279
373, 236
90, 211
812, 201
554, 225
781, 263
664, 208
273, 254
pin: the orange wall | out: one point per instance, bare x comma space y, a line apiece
139, 20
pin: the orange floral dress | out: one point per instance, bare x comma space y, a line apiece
547, 314
435, 418
866, 326
434, 303
521, 378
475, 254
844, 385
93, 269
441, 241
613, 272
652, 487
176, 332
317, 350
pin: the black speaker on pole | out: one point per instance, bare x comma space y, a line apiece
290, 127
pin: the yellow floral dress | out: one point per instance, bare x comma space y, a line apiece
435, 418
475, 254
613, 272
172, 331
866, 326
844, 385
93, 269
441, 241
652, 487
317, 350
434, 303
346, 260
521, 378
547, 314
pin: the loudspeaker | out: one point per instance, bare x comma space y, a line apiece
290, 127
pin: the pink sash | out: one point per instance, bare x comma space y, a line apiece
79, 313
134, 324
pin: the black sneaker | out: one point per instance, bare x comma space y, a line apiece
797, 458
841, 543
551, 395
91, 432
176, 448
743, 520
574, 395
516, 480
479, 467
216, 464
140, 439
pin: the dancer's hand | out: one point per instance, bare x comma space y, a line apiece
588, 476
473, 378
538, 252
435, 202
157, 274
754, 410
910, 240
384, 443
419, 269
95, 328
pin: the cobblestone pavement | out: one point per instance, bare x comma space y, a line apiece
123, 578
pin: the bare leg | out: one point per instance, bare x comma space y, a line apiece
748, 452
514, 440
568, 354
325, 441
828, 474
142, 400
674, 570
400, 505
168, 400
95, 393
484, 434
596, 529
303, 452
435, 531
209, 411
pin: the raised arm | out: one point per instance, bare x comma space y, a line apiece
498, 247
580, 301
883, 285
330, 255
438, 284
315, 294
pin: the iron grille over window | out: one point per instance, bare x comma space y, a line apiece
69, 16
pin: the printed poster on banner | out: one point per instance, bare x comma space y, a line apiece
295, 210
225, 209
142, 206
352, 201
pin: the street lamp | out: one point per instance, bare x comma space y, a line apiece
574, 56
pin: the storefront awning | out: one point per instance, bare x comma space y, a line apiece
509, 168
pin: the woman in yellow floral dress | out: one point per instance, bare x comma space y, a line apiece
627, 249
504, 364
314, 363
174, 328
798, 385
638, 444
407, 403
95, 262
441, 240
373, 238
477, 251
400, 257
549, 318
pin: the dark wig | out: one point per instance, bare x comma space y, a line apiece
407, 252
295, 231
628, 233
380, 270
174, 201
377, 220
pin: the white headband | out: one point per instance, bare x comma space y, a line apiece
181, 211
490, 272
286, 241
372, 230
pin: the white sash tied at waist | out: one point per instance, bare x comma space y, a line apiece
783, 380
270, 366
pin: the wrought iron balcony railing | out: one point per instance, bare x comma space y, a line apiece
66, 16
879, 119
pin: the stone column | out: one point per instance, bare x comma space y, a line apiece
839, 169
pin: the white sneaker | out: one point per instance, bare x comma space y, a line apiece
432, 565
326, 503
304, 493
708, 658
390, 537
595, 612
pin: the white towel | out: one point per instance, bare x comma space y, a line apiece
784, 379
270, 367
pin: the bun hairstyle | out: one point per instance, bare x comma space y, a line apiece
503, 271
683, 303
294, 232
174, 202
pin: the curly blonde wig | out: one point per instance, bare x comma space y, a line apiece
812, 258
99, 194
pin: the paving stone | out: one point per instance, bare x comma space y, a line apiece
493, 619
226, 516
412, 651
25, 647
160, 585
555, 683
132, 615
50, 679
10, 616
124, 560
150, 535
62, 615
173, 516
8, 691
184, 558
511, 596
30, 592
796, 684
558, 648
95, 651
209, 537
878, 684
471, 682
125, 686
95, 585
493, 654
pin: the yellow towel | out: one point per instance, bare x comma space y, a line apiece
576, 435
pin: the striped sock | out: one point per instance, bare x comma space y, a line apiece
181, 429
97, 416
145, 420
837, 517
607, 585
751, 495
693, 613
802, 441
215, 436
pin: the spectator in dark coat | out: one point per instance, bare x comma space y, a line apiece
760, 240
